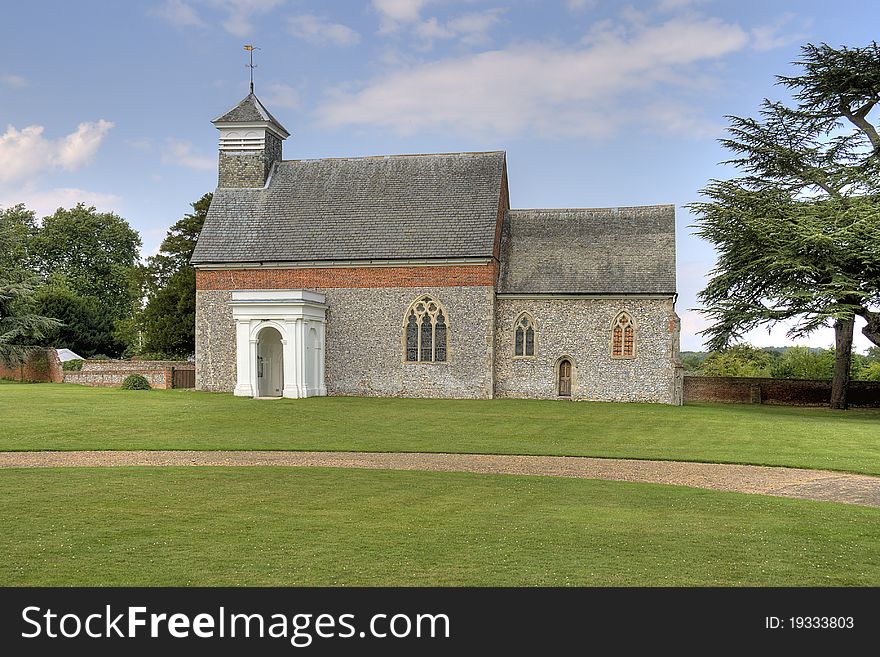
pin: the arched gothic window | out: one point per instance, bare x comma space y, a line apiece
524, 336
426, 331
623, 339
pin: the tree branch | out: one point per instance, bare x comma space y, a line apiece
871, 329
858, 119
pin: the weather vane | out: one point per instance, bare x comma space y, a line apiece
250, 48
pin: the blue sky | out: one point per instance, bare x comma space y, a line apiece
597, 103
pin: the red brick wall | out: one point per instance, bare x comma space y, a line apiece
789, 392
43, 366
348, 277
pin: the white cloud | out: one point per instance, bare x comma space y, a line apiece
282, 95
779, 33
673, 5
432, 29
395, 12
240, 12
79, 148
678, 118
580, 5
27, 152
11, 80
179, 14
237, 14
589, 89
471, 29
317, 30
180, 153
45, 202
24, 153
28, 157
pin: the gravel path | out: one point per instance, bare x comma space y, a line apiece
785, 482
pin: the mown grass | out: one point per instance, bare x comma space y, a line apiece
292, 526
68, 417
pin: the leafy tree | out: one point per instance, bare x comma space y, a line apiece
94, 252
691, 360
870, 372
85, 326
796, 234
177, 247
168, 320
17, 226
738, 360
21, 329
804, 363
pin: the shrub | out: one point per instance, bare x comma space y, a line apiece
804, 363
74, 365
135, 382
871, 372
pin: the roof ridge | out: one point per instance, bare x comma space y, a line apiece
396, 155
612, 207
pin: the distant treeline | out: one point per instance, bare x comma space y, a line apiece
778, 362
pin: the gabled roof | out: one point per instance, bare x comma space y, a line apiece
387, 207
249, 110
589, 251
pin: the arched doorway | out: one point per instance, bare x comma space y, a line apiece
564, 378
270, 363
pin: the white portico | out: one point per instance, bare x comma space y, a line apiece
279, 343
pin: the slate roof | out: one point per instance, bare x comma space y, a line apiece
589, 251
402, 206
249, 110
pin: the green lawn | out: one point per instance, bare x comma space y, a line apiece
292, 526
65, 417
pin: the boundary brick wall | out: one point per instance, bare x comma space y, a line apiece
111, 373
787, 392
42, 367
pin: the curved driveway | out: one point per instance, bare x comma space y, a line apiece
785, 482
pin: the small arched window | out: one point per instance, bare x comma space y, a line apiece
425, 331
524, 336
623, 338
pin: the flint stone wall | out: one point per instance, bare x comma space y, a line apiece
248, 169
111, 373
580, 329
215, 341
364, 347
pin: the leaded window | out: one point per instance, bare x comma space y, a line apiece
524, 336
623, 344
426, 331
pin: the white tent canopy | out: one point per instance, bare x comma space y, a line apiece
65, 355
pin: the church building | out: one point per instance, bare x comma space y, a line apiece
411, 276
